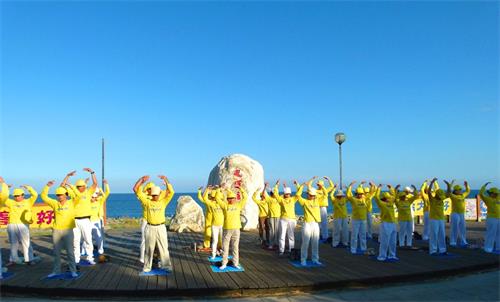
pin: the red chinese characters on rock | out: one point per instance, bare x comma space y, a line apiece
45, 217
238, 181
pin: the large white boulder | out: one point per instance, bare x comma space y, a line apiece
188, 216
240, 170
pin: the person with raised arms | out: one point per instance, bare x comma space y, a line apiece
259, 198
62, 228
274, 217
425, 199
288, 220
20, 217
322, 192
358, 222
312, 219
491, 198
404, 201
155, 231
340, 231
387, 228
96, 204
232, 225
437, 238
83, 226
209, 199
458, 227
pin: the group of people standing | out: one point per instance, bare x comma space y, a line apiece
77, 222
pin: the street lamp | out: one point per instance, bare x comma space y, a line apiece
340, 139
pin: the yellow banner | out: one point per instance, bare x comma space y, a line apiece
42, 216
418, 207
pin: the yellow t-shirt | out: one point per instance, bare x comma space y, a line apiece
217, 213
232, 219
20, 211
404, 207
322, 194
64, 214
155, 210
493, 204
358, 206
274, 206
262, 204
312, 212
82, 201
458, 201
339, 206
436, 208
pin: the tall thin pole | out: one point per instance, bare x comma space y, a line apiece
340, 164
102, 164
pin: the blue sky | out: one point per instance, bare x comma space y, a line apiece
174, 86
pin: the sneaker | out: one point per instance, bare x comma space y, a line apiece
52, 275
317, 262
74, 275
91, 262
141, 261
237, 266
381, 259
303, 263
212, 258
222, 267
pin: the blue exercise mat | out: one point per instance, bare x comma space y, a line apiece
218, 258
387, 260
228, 269
6, 275
156, 272
495, 252
445, 255
63, 276
340, 246
358, 252
85, 263
309, 264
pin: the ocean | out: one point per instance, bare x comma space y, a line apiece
127, 205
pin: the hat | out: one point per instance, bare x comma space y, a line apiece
408, 189
440, 194
213, 193
312, 191
494, 191
287, 190
230, 194
18, 192
367, 190
339, 193
80, 183
61, 191
155, 190
457, 188
386, 195
149, 185
321, 182
360, 190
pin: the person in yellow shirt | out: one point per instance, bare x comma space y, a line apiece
208, 220
263, 215
322, 192
491, 199
20, 217
387, 228
144, 222
96, 204
156, 231
404, 201
208, 198
62, 228
358, 221
232, 225
437, 240
274, 217
457, 221
83, 226
312, 219
370, 194
340, 232
288, 220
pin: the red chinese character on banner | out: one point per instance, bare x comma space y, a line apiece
4, 218
45, 216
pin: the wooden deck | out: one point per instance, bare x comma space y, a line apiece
265, 272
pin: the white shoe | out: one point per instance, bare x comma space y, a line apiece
74, 275
237, 266
303, 263
91, 262
52, 275
317, 263
222, 267
141, 261
212, 258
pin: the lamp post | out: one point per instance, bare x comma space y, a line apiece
340, 139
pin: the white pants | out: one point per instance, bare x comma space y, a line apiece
457, 230
231, 240
98, 236
437, 240
19, 234
216, 232
387, 249
273, 231
405, 233
156, 235
369, 232
63, 239
492, 240
324, 223
83, 230
310, 233
340, 232
287, 229
425, 235
358, 231
143, 239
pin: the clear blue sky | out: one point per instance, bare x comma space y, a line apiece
174, 86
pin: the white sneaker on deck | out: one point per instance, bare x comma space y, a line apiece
237, 266
317, 262
74, 275
91, 262
303, 263
52, 275
222, 267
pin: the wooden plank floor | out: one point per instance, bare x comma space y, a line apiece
265, 272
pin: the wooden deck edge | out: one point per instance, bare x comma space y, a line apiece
54, 293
